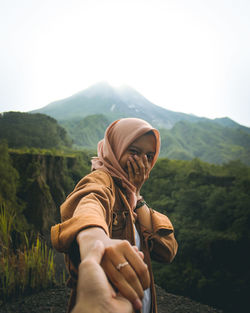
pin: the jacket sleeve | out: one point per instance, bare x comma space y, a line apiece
161, 241
89, 205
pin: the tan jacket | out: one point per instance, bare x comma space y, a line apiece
98, 201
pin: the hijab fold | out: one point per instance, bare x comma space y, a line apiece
118, 137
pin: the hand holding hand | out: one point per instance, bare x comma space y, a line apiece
132, 277
125, 268
94, 293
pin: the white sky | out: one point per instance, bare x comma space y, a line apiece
189, 56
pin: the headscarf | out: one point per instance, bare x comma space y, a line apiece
118, 137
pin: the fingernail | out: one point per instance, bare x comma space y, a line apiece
137, 304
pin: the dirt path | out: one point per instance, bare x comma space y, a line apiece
55, 301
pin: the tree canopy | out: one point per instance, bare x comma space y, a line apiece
209, 206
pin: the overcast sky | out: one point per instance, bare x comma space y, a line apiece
190, 56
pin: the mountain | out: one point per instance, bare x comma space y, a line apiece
211, 142
114, 103
88, 131
206, 140
86, 115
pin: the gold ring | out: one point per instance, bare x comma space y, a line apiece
120, 265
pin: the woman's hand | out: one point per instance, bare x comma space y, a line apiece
138, 171
132, 278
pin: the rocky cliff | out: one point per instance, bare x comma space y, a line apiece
45, 181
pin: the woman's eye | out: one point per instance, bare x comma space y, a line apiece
134, 152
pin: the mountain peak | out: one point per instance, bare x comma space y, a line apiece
101, 88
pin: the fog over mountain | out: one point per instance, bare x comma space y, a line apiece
115, 103
86, 114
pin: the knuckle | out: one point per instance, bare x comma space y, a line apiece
125, 243
143, 271
109, 252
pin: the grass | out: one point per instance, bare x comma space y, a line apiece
25, 269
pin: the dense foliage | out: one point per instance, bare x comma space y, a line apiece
32, 130
9, 177
209, 206
208, 141
88, 131
26, 264
9, 184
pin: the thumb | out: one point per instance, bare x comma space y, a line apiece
96, 252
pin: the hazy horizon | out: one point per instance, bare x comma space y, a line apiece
191, 57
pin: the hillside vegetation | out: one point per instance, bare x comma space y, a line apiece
86, 132
32, 130
208, 203
207, 141
209, 206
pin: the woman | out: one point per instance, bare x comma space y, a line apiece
106, 205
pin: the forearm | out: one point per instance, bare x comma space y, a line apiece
87, 238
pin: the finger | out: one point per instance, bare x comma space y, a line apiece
131, 277
134, 165
119, 281
140, 164
146, 166
141, 254
145, 162
130, 170
126, 273
135, 261
96, 253
139, 267
122, 305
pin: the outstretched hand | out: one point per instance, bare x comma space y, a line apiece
94, 293
122, 263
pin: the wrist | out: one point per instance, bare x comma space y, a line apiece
140, 203
139, 198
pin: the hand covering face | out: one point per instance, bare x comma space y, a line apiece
118, 137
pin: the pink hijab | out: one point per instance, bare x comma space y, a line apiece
118, 137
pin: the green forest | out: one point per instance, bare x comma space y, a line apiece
211, 141
208, 203
32, 130
209, 206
